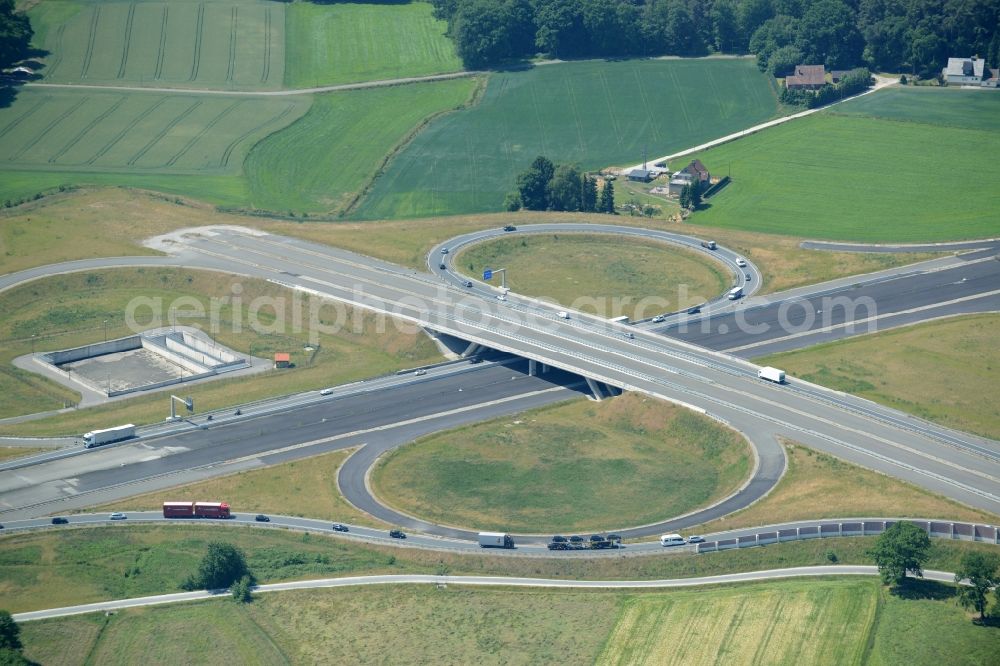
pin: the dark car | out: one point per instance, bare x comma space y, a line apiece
559, 539
510, 227
596, 537
617, 538
442, 266
468, 283
397, 534
337, 527
601, 545
694, 310
747, 276
576, 539
476, 359
558, 545
59, 520
261, 518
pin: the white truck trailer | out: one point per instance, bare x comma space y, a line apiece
108, 435
495, 540
735, 293
771, 374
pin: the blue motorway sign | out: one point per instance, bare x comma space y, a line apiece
488, 274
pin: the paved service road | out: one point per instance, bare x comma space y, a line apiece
489, 581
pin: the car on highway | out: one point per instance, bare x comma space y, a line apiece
326, 391
501, 297
476, 359
596, 537
59, 520
576, 539
615, 537
397, 534
117, 515
261, 518
559, 539
468, 284
658, 319
420, 373
510, 227
697, 538
741, 262
629, 336
1, 527
338, 527
558, 545
444, 250
694, 309
442, 266
672, 540
747, 276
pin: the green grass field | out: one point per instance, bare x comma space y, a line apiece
959, 352
592, 113
606, 275
347, 42
819, 621
137, 132
574, 467
874, 169
322, 161
181, 43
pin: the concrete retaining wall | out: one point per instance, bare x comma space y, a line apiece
96, 349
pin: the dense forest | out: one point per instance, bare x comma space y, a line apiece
911, 36
15, 34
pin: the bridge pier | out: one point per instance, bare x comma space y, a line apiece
470, 350
595, 388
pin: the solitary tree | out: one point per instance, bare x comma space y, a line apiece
983, 572
607, 202
10, 633
223, 565
902, 547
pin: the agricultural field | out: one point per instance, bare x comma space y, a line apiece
605, 275
574, 467
323, 161
592, 113
346, 42
820, 621
137, 132
873, 169
222, 44
960, 353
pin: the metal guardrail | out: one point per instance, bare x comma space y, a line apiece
819, 530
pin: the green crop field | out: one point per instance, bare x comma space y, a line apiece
181, 43
592, 113
107, 131
875, 169
792, 622
347, 42
322, 161
573, 467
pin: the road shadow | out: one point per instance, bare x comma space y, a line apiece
913, 589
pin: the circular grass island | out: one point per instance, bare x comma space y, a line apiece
575, 467
602, 274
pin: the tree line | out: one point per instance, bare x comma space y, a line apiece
562, 187
897, 35
15, 34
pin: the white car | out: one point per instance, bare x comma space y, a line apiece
741, 262
672, 540
420, 372
117, 515
326, 391
696, 539
658, 319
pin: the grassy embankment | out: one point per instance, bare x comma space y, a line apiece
959, 353
601, 274
821, 621
70, 310
575, 467
878, 158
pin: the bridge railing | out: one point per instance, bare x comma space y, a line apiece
820, 530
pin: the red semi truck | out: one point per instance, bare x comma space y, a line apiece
196, 510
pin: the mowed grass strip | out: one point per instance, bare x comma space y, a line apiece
939, 370
789, 622
574, 467
182, 43
817, 485
348, 42
70, 310
591, 113
606, 275
322, 161
57, 567
305, 488
847, 177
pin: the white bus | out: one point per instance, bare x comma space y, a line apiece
735, 293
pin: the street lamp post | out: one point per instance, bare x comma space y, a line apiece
33, 336
105, 330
